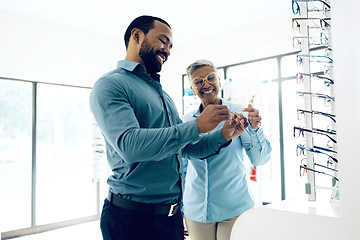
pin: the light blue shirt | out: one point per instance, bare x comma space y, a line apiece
145, 138
216, 188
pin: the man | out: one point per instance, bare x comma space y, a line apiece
145, 138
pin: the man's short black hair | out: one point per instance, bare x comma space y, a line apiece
144, 23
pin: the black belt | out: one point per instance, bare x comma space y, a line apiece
161, 209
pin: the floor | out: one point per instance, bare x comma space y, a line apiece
88, 231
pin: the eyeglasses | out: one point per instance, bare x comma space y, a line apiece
211, 78
300, 78
322, 23
252, 144
300, 131
315, 41
304, 169
325, 8
313, 58
300, 150
323, 40
318, 95
296, 7
302, 111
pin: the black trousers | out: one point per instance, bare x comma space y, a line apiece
121, 224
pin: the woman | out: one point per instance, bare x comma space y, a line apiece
216, 190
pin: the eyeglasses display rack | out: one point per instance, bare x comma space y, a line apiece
313, 23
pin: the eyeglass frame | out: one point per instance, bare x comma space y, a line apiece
304, 166
319, 95
205, 78
316, 164
324, 41
331, 116
324, 2
300, 56
316, 131
326, 24
251, 139
297, 10
326, 79
302, 148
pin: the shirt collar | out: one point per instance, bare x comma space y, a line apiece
223, 102
136, 68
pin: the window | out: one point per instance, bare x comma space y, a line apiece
15, 154
48, 172
64, 154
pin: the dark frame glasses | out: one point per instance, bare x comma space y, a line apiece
316, 131
300, 78
300, 149
331, 116
306, 168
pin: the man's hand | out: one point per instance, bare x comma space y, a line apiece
211, 117
235, 127
253, 116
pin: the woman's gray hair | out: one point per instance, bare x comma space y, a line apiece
197, 64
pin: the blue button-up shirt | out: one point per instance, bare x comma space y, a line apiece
216, 188
145, 138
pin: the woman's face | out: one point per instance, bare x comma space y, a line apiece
207, 90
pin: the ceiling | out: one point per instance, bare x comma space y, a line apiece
111, 17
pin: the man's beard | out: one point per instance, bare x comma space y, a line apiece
148, 55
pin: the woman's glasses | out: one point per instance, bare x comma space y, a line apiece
251, 140
210, 78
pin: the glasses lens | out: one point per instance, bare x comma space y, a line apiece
300, 115
211, 77
298, 150
295, 7
198, 82
298, 60
297, 132
296, 43
299, 78
302, 170
295, 25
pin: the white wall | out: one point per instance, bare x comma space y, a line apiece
34, 49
